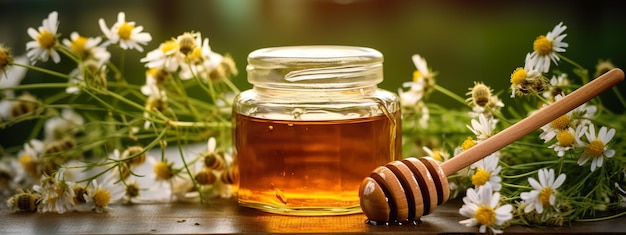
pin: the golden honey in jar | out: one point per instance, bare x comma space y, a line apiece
312, 127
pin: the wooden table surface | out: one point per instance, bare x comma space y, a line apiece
227, 217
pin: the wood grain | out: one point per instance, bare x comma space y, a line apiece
226, 217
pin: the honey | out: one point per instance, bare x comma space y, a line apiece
311, 128
312, 165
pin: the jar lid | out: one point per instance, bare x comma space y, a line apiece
315, 67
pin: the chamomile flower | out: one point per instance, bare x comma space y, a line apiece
134, 155
12, 76
169, 179
163, 170
167, 57
127, 34
89, 73
203, 61
417, 86
155, 78
423, 73
87, 48
558, 86
580, 116
596, 146
132, 192
551, 129
526, 80
99, 196
30, 158
45, 40
467, 144
482, 207
546, 48
23, 201
438, 155
568, 139
411, 97
484, 127
6, 59
603, 66
57, 194
487, 172
225, 69
482, 100
544, 191
184, 190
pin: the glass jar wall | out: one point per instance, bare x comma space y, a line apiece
313, 126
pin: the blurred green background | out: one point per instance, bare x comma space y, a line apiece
464, 41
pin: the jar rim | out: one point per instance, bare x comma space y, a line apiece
315, 66
316, 53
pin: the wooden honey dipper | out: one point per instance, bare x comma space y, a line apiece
404, 190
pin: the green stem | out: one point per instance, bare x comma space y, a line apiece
450, 94
585, 79
571, 62
47, 71
67, 52
230, 85
515, 186
36, 86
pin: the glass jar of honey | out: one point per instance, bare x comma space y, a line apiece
313, 126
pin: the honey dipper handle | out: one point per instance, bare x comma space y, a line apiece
533, 122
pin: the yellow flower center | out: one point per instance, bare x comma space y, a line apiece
518, 76
561, 123
195, 54
480, 177
468, 143
565, 138
187, 43
416, 75
544, 195
169, 45
485, 215
78, 44
28, 164
595, 148
125, 30
163, 171
542, 45
437, 155
159, 75
481, 94
4, 58
154, 103
138, 155
132, 190
46, 39
101, 197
